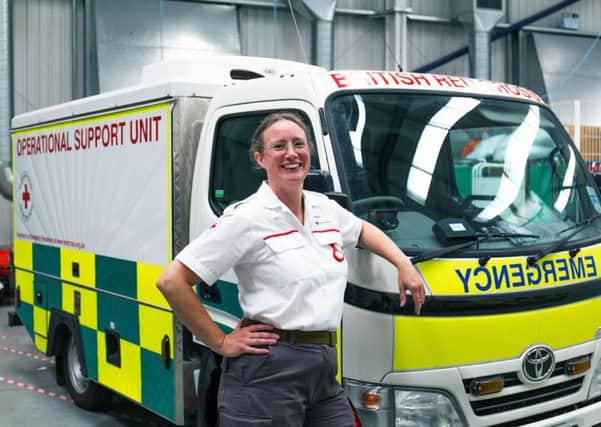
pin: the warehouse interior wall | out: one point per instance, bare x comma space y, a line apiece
134, 33
277, 36
571, 69
41, 53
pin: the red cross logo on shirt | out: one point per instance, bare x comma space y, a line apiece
26, 200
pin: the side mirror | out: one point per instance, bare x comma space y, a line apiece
6, 180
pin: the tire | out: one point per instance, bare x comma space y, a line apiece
85, 393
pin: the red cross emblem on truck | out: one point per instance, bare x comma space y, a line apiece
26, 199
26, 196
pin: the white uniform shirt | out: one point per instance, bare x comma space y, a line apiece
290, 275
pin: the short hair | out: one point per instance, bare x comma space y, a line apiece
257, 145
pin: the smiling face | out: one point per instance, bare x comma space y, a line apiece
286, 155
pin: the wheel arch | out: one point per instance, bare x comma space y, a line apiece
63, 325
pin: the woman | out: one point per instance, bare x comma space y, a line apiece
286, 248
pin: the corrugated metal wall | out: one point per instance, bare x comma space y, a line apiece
442, 8
429, 41
360, 4
359, 42
282, 43
497, 60
134, 33
589, 12
42, 53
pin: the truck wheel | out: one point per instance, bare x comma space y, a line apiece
85, 393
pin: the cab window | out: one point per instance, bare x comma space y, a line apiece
235, 175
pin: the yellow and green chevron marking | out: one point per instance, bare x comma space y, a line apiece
113, 294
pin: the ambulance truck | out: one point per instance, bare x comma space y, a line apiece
476, 181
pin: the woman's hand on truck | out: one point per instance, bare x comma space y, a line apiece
410, 280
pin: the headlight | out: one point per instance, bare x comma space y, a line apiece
595, 388
380, 405
373, 403
415, 408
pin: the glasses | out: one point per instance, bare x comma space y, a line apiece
297, 145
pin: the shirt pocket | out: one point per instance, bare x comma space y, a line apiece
331, 241
285, 242
328, 237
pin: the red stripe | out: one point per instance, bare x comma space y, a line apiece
34, 389
327, 230
26, 354
280, 234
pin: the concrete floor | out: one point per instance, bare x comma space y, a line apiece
29, 395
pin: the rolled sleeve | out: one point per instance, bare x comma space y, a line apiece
218, 249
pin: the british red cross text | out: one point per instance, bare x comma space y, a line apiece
339, 79
395, 78
517, 90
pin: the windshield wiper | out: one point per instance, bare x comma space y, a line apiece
554, 246
476, 238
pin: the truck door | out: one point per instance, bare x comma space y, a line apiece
233, 176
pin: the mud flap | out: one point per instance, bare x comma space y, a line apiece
13, 319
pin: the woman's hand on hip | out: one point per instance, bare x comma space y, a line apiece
245, 339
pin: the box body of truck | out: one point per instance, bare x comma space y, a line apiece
476, 181
102, 203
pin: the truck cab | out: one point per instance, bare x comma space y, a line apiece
481, 185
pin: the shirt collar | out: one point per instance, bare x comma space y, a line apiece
272, 202
268, 197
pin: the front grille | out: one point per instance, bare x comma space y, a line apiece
511, 379
550, 414
526, 398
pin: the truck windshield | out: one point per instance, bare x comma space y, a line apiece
413, 163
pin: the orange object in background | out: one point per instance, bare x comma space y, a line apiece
469, 147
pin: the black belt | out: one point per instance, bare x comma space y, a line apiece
299, 337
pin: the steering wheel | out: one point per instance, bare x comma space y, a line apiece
362, 205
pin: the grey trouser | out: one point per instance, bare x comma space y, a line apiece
292, 385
